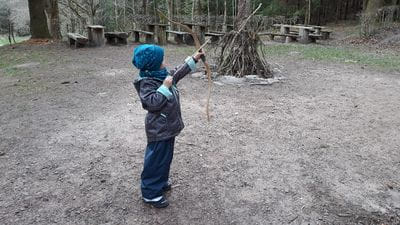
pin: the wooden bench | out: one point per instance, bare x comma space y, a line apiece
77, 40
289, 37
116, 38
149, 35
96, 35
325, 34
314, 37
178, 35
214, 36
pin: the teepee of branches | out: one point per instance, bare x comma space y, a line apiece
239, 51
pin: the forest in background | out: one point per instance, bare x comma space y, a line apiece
54, 18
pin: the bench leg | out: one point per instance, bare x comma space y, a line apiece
214, 39
71, 42
179, 38
188, 39
122, 41
313, 40
289, 39
304, 36
111, 41
149, 38
325, 36
137, 37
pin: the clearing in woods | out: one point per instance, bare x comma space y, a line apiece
320, 147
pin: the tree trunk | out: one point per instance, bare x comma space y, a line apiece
170, 8
53, 18
133, 7
365, 3
208, 13
244, 10
38, 20
369, 17
374, 5
224, 28
346, 8
216, 15
115, 15
144, 7
193, 9
309, 13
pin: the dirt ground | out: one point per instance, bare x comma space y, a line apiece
320, 147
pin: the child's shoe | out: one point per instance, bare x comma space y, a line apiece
159, 202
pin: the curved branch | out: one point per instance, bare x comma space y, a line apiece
198, 47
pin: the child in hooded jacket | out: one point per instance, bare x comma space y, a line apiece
158, 93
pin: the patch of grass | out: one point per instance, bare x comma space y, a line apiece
9, 58
336, 54
11, 71
12, 58
4, 40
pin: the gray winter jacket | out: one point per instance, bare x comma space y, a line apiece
163, 120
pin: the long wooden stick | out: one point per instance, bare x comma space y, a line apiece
198, 46
248, 18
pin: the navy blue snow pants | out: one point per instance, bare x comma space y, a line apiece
157, 162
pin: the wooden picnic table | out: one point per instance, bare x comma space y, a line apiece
202, 31
305, 35
160, 31
317, 29
96, 35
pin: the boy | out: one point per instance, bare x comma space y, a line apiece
157, 91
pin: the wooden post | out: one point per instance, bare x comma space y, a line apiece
304, 35
150, 38
96, 35
317, 30
202, 35
178, 38
137, 36
284, 30
289, 39
188, 38
161, 34
271, 37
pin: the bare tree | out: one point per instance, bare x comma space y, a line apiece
53, 18
38, 22
369, 16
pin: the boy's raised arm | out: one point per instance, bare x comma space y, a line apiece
189, 66
181, 71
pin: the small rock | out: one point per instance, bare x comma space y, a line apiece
287, 190
324, 146
198, 75
65, 82
232, 80
251, 77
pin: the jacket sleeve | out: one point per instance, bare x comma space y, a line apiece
181, 71
153, 98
